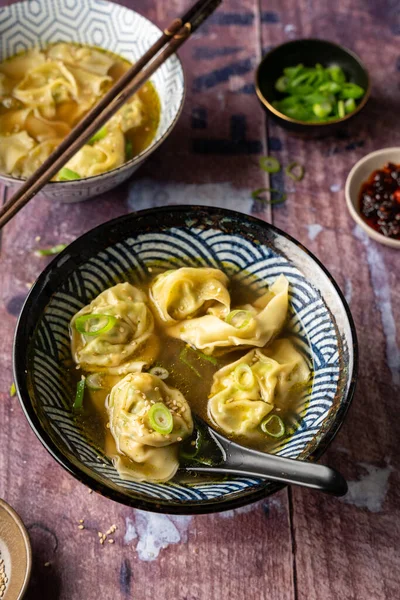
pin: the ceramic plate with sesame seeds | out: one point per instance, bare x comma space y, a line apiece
174, 237
15, 554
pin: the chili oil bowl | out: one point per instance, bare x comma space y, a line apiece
109, 26
165, 238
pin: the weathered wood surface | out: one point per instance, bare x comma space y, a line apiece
297, 544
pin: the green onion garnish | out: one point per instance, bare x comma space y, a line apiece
128, 150
295, 171
66, 174
182, 358
239, 318
210, 359
80, 391
280, 196
269, 164
159, 372
13, 390
243, 377
273, 426
340, 109
160, 418
50, 251
99, 135
100, 324
94, 381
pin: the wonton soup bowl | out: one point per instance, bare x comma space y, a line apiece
107, 25
166, 238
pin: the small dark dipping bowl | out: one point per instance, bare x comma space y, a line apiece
308, 52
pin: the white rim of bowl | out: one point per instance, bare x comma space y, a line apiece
136, 159
378, 237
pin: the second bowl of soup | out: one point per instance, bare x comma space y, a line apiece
49, 86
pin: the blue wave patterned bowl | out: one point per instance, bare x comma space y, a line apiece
24, 25
169, 237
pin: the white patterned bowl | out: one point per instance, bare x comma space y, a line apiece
98, 23
167, 238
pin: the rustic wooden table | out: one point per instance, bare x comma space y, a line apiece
296, 544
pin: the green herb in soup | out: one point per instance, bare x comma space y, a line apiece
316, 94
189, 340
45, 93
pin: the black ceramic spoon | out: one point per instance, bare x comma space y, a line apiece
227, 457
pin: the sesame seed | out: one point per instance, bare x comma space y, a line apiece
179, 439
81, 527
46, 564
110, 541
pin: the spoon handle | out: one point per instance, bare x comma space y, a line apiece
243, 461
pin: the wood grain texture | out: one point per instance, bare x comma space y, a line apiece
298, 546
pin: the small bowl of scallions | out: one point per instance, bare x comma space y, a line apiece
311, 86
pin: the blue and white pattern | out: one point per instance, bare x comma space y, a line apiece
311, 321
37, 23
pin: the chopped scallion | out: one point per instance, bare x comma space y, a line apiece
243, 377
100, 324
66, 174
99, 135
295, 171
182, 358
278, 199
159, 372
340, 109
273, 426
80, 391
160, 418
128, 150
210, 359
239, 318
50, 251
269, 164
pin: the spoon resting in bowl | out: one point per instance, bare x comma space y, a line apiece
221, 455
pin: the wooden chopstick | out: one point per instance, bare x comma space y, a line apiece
171, 39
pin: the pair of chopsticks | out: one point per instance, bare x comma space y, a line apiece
171, 39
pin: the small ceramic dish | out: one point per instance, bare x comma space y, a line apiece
308, 52
15, 552
24, 25
168, 238
357, 176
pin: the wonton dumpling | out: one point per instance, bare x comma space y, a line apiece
118, 350
90, 59
12, 148
153, 456
16, 67
244, 392
129, 115
129, 403
28, 164
147, 463
43, 129
186, 292
104, 155
46, 85
262, 321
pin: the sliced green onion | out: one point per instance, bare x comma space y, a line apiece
351, 90
50, 251
322, 109
159, 372
99, 135
269, 164
273, 426
349, 105
243, 377
330, 86
128, 150
94, 381
160, 418
182, 358
340, 109
13, 390
83, 321
80, 391
281, 197
295, 171
66, 174
239, 318
336, 74
282, 84
210, 359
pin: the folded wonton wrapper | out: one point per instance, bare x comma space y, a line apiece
189, 292
119, 350
153, 456
268, 315
241, 399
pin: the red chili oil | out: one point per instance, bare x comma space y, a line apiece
380, 200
